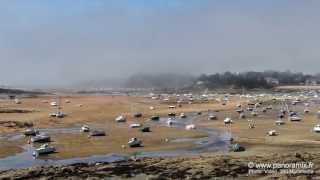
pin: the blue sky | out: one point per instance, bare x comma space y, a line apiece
60, 42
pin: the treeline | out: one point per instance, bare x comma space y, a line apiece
18, 91
251, 80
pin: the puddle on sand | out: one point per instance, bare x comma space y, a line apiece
215, 142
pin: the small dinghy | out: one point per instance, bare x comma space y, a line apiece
155, 118
254, 113
170, 122
137, 115
182, 115
97, 133
53, 104
151, 108
17, 101
269, 107
281, 116
272, 133
57, 114
212, 117
134, 142
44, 149
121, 119
242, 116
172, 114
145, 129
292, 113
190, 127
295, 118
279, 122
85, 128
60, 115
227, 121
30, 132
317, 128
40, 138
136, 125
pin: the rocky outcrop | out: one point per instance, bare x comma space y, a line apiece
201, 167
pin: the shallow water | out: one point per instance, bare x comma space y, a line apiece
217, 141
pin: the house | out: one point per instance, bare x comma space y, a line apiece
272, 81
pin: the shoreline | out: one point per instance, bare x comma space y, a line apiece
196, 167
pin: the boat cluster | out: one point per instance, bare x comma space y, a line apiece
37, 137
288, 108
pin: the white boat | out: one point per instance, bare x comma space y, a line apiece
40, 138
60, 115
170, 122
295, 118
57, 114
85, 128
17, 101
306, 111
154, 98
212, 117
134, 142
44, 149
227, 121
272, 133
121, 119
264, 110
254, 113
151, 108
30, 132
317, 128
53, 104
182, 115
137, 125
172, 107
190, 127
269, 107
279, 122
52, 115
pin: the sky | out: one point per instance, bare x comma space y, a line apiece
61, 42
